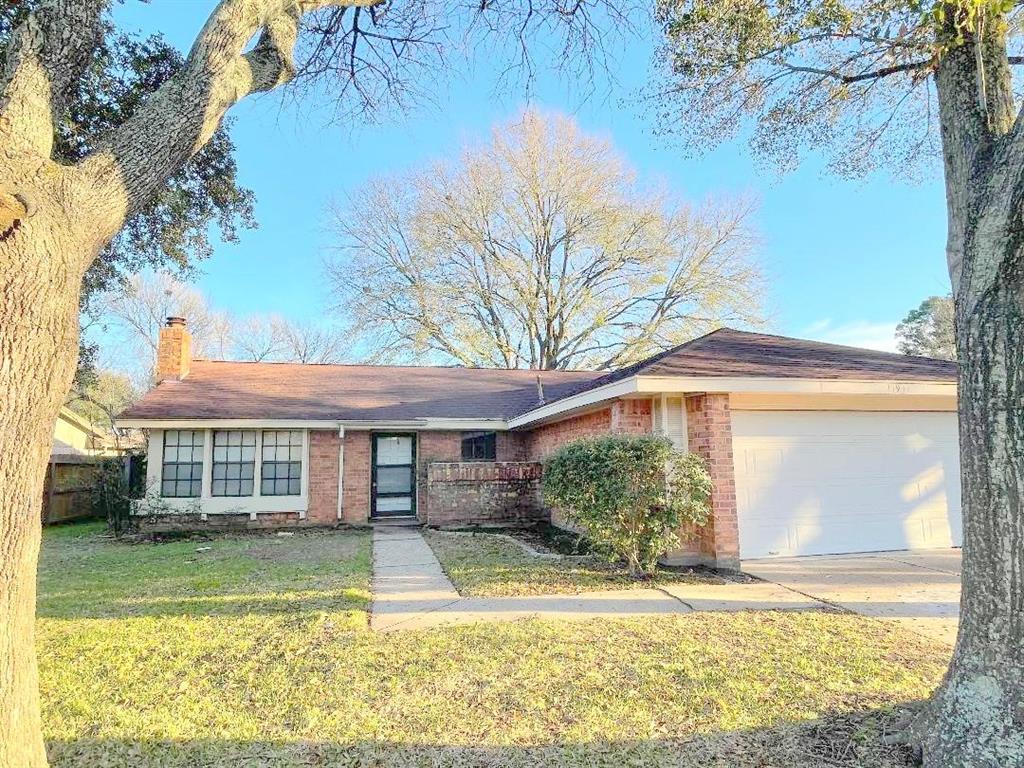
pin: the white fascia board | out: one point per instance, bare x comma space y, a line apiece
334, 424
227, 423
491, 425
684, 384
573, 402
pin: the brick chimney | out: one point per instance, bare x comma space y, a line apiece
174, 356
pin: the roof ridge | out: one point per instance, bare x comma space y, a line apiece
834, 344
535, 371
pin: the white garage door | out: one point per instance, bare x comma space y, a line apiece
813, 483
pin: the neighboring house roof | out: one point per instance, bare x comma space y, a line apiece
81, 423
62, 453
231, 390
76, 440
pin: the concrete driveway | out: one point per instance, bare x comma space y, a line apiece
919, 589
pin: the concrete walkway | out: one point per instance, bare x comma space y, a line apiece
410, 591
918, 589
407, 579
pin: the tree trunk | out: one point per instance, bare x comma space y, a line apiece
977, 716
39, 285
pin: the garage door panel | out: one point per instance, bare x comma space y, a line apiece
828, 482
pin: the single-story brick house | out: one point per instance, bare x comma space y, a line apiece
814, 448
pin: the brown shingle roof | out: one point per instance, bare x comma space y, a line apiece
230, 390
728, 352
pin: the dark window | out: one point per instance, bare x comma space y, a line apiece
479, 446
281, 470
182, 474
234, 459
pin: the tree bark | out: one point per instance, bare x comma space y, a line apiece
977, 716
54, 220
40, 276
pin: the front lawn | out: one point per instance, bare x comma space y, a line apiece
482, 564
256, 653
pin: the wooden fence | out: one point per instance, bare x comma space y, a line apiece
67, 493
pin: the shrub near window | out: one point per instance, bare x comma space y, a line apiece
630, 494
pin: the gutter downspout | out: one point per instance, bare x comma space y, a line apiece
341, 471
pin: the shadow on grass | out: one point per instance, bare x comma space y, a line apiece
236, 603
836, 739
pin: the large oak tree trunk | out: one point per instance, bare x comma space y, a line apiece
39, 285
979, 711
977, 715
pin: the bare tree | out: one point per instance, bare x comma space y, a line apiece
259, 339
135, 313
308, 343
883, 84
58, 214
538, 250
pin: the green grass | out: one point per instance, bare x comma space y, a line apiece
257, 653
84, 574
489, 566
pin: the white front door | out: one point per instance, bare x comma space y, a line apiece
393, 475
826, 482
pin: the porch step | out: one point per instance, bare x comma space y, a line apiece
409, 521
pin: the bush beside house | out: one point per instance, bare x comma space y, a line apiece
630, 494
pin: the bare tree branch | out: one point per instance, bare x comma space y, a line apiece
182, 115
538, 250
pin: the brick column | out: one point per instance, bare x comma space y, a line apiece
709, 428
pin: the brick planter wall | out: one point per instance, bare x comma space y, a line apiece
500, 492
433, 446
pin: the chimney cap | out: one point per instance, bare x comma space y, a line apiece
173, 321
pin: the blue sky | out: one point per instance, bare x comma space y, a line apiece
845, 260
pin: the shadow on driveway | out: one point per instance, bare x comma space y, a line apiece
919, 589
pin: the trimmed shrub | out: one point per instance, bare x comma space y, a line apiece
630, 494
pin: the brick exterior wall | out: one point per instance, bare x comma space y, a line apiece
511, 446
483, 492
174, 351
709, 427
356, 482
433, 446
323, 476
623, 416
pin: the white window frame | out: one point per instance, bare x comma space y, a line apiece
213, 505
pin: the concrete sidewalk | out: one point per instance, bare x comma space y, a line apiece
411, 591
